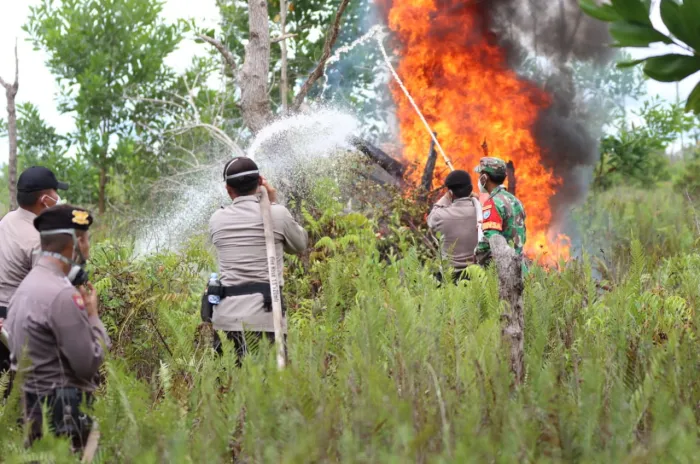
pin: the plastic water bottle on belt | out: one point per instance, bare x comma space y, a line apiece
214, 286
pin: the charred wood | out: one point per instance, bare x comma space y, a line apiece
429, 172
386, 162
510, 175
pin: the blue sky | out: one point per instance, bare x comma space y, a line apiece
38, 86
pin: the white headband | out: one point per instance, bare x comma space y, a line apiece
241, 174
58, 232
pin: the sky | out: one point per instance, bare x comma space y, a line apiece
36, 83
38, 86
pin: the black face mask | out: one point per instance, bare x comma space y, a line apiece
78, 275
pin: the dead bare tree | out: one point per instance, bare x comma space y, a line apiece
510, 291
10, 94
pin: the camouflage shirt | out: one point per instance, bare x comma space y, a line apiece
503, 215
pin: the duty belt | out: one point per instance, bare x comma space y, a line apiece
262, 288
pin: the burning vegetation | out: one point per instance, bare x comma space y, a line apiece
459, 76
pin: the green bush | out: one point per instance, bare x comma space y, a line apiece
387, 367
688, 182
664, 222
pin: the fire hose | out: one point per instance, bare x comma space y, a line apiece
475, 201
274, 278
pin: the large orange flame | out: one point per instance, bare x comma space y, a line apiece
458, 76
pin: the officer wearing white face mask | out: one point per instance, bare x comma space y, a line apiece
19, 240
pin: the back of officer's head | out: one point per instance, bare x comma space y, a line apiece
460, 183
242, 176
60, 218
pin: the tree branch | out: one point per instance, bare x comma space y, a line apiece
331, 38
221, 48
280, 38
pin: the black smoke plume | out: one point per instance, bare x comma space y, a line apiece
554, 33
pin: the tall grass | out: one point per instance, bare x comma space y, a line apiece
388, 367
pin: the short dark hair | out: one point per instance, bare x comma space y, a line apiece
56, 243
245, 185
242, 184
28, 199
462, 191
497, 178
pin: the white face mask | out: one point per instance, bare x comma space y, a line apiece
57, 200
482, 187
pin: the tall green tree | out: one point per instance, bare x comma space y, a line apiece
631, 27
102, 52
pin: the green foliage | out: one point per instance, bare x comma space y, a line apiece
636, 154
103, 52
38, 143
310, 20
388, 367
688, 181
662, 220
631, 27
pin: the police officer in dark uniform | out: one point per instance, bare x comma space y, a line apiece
37, 189
57, 340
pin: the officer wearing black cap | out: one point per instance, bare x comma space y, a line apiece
455, 217
19, 240
56, 337
238, 235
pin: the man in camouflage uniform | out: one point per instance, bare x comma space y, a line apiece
503, 213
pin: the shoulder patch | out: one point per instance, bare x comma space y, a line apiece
493, 226
78, 300
487, 213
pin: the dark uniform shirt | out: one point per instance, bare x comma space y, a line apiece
52, 338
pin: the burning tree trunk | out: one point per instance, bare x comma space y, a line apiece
385, 161
510, 173
427, 180
510, 290
11, 93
